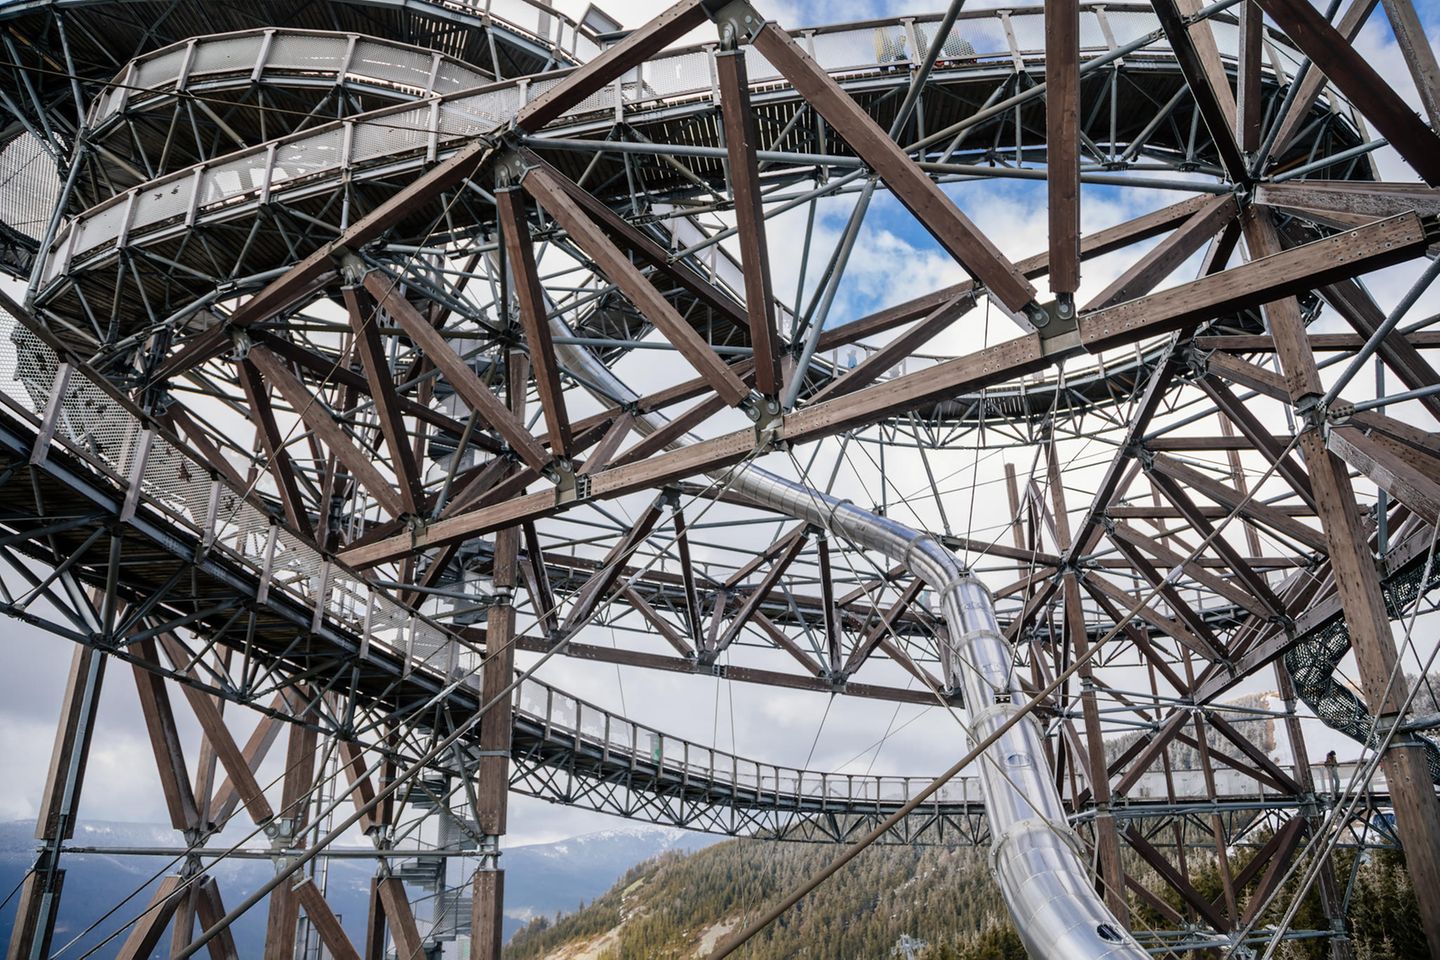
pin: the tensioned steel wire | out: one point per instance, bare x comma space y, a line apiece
400, 779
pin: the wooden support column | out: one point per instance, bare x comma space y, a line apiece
1062, 137
39, 901
1417, 812
1107, 837
284, 907
492, 770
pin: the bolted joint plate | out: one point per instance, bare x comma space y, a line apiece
737, 21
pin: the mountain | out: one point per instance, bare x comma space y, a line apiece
544, 879
682, 905
909, 903
540, 880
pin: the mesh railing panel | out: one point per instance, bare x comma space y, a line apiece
1313, 660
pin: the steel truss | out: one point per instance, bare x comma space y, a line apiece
317, 409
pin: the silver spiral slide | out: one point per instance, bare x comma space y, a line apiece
1034, 854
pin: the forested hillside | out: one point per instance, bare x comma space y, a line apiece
681, 905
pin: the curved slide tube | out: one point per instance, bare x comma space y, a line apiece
1034, 854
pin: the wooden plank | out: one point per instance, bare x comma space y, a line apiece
1361, 84
914, 189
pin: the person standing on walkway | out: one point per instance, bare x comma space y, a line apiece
1332, 774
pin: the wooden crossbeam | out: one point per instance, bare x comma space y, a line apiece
547, 190
1199, 59
457, 372
277, 458
1360, 82
913, 188
327, 429
534, 317
370, 348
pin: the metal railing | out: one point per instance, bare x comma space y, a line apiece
423, 131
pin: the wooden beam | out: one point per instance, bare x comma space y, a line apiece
323, 919
1165, 257
1414, 42
1314, 81
1360, 82
150, 927
327, 429
1062, 138
282, 468
541, 184
1199, 59
1266, 279
1386, 242
534, 316
165, 742
1249, 79
1385, 464
401, 919
456, 371
371, 350
638, 46
913, 188
877, 363
741, 140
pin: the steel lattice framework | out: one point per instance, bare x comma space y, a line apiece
332, 389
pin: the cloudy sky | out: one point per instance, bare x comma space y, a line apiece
897, 261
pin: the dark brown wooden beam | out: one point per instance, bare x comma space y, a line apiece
370, 348
1360, 82
587, 235
638, 46
456, 371
1062, 139
1165, 257
741, 140
282, 468
520, 255
913, 188
327, 429
1199, 60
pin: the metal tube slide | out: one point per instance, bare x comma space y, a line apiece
1034, 854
